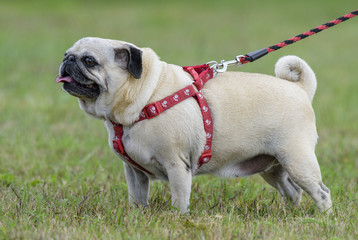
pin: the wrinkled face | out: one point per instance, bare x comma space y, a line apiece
92, 65
76, 75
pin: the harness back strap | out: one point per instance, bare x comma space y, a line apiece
201, 75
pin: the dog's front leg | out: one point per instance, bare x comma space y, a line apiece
138, 185
180, 179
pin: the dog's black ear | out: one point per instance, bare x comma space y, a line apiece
135, 63
130, 58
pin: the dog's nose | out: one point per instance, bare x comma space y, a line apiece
71, 58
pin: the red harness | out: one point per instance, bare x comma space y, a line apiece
201, 75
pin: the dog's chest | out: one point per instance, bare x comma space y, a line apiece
133, 151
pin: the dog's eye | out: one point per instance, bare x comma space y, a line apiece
89, 61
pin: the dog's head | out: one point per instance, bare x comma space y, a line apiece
95, 69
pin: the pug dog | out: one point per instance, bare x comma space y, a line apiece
261, 124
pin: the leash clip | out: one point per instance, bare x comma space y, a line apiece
222, 66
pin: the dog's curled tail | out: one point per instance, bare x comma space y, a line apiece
294, 69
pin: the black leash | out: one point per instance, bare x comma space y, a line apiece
250, 57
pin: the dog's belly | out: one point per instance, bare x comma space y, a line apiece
257, 164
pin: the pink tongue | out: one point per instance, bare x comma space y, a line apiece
64, 79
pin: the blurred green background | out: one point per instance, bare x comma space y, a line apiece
44, 137
35, 34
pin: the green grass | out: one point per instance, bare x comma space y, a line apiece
58, 177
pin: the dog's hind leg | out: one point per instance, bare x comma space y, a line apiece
301, 164
279, 179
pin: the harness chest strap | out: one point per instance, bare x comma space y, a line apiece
201, 75
118, 146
